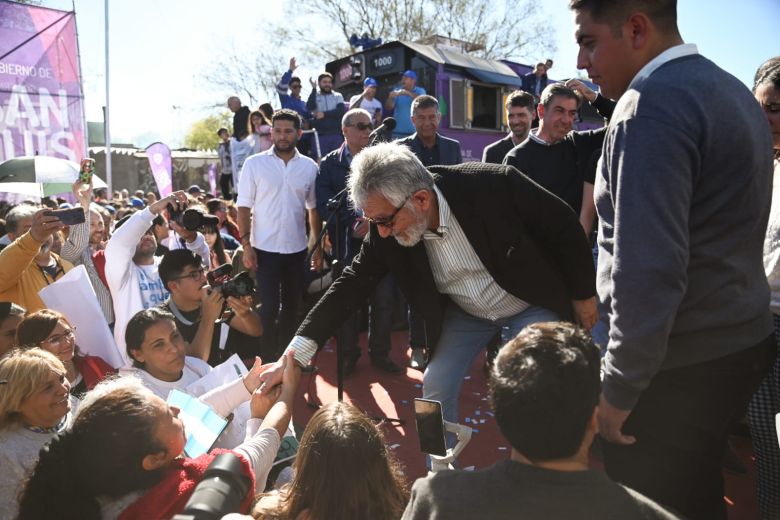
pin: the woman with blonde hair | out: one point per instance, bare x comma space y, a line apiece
35, 406
343, 470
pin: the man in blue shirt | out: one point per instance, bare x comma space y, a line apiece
294, 102
400, 102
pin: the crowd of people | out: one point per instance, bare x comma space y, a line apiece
624, 280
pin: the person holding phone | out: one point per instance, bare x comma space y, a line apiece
28, 264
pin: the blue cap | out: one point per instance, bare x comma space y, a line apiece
410, 74
136, 202
370, 82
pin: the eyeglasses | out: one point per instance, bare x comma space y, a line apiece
193, 275
363, 126
68, 335
387, 222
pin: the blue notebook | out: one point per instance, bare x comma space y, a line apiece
202, 425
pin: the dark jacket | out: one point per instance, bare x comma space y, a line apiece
495, 153
529, 240
449, 149
331, 180
529, 83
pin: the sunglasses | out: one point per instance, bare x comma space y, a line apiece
363, 126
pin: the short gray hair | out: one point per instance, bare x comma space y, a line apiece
346, 120
424, 101
387, 169
22, 211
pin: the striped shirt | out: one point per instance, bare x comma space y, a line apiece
457, 271
460, 274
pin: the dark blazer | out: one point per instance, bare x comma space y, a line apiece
495, 153
331, 180
529, 240
449, 149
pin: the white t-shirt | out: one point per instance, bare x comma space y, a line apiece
372, 106
231, 398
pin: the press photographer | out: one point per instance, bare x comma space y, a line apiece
197, 306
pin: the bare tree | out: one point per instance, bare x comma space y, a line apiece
497, 29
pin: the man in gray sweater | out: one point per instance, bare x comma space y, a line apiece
544, 390
682, 194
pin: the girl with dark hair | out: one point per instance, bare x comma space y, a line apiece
343, 470
220, 209
10, 317
210, 231
34, 406
52, 331
260, 130
158, 353
766, 401
122, 457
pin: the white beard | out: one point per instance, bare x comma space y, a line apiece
414, 233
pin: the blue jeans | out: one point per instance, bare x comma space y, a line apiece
280, 286
462, 338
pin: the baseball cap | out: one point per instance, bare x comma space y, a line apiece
410, 74
194, 189
136, 202
370, 82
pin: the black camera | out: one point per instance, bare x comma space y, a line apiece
237, 286
221, 491
190, 219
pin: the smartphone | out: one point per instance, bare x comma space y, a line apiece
86, 171
69, 217
430, 426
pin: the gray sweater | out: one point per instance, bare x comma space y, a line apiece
683, 194
510, 490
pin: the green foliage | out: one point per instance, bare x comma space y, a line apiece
202, 135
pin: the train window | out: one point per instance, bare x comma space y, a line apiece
486, 107
458, 103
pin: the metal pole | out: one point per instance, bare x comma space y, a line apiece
106, 117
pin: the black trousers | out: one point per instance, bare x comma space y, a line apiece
225, 184
680, 423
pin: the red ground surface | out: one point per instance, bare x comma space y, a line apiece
378, 393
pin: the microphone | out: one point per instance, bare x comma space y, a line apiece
387, 126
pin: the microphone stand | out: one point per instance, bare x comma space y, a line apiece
334, 207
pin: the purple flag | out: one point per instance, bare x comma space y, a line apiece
160, 162
213, 179
41, 103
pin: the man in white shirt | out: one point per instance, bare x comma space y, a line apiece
367, 101
132, 268
275, 194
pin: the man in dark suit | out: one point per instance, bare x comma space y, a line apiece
519, 115
426, 143
431, 148
478, 249
331, 181
535, 82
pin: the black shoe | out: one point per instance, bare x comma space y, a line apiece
386, 365
350, 365
418, 359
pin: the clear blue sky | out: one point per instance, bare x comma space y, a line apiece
159, 47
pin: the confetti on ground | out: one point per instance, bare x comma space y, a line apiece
469, 468
477, 412
475, 430
418, 386
502, 448
468, 419
394, 446
467, 377
404, 401
491, 414
482, 421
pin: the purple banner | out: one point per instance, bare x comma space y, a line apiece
213, 179
160, 162
41, 102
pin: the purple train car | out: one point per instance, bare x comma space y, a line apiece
471, 90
